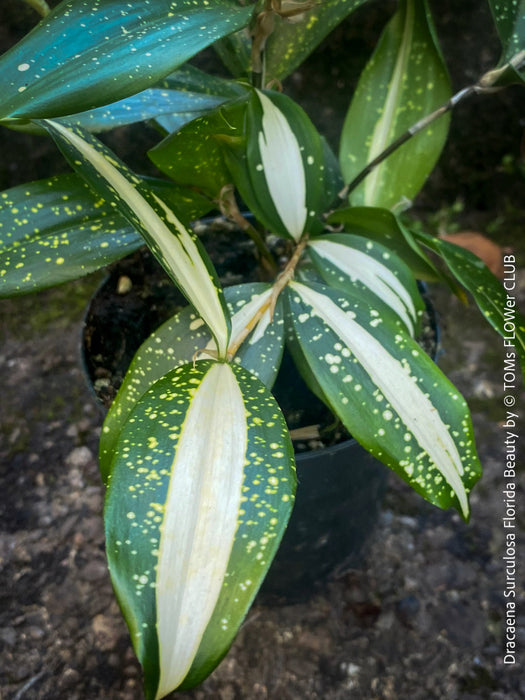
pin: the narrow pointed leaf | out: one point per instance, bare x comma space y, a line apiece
496, 304
184, 338
280, 175
57, 230
175, 246
509, 16
178, 99
404, 81
84, 54
388, 393
293, 41
356, 264
193, 156
200, 493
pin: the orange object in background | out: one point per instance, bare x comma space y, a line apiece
491, 253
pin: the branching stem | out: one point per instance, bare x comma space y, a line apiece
229, 208
280, 283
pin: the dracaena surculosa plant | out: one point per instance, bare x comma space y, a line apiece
195, 452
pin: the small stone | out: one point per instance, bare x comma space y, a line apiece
124, 285
68, 679
34, 632
105, 632
227, 693
407, 609
8, 636
79, 457
94, 571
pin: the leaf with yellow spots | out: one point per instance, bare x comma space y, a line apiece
193, 155
89, 53
405, 80
200, 492
383, 226
185, 337
357, 264
292, 41
509, 16
387, 392
174, 245
56, 230
497, 304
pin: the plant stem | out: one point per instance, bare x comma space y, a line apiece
265, 24
280, 284
484, 85
40, 6
229, 208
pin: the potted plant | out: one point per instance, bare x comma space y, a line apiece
195, 452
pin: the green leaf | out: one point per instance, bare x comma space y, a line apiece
280, 173
496, 304
509, 16
56, 230
383, 226
388, 393
235, 52
293, 41
405, 80
88, 53
181, 97
185, 337
193, 156
357, 264
174, 245
200, 493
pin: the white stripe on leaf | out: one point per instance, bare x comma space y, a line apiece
396, 383
373, 274
384, 132
283, 168
242, 320
200, 521
180, 253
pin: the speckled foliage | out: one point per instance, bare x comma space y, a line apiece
199, 494
195, 452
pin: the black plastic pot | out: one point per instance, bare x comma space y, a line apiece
340, 487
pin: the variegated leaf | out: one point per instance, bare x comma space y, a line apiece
174, 245
184, 338
56, 230
200, 493
388, 393
280, 176
353, 263
496, 304
405, 80
384, 227
89, 53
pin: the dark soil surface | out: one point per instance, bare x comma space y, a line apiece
422, 618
